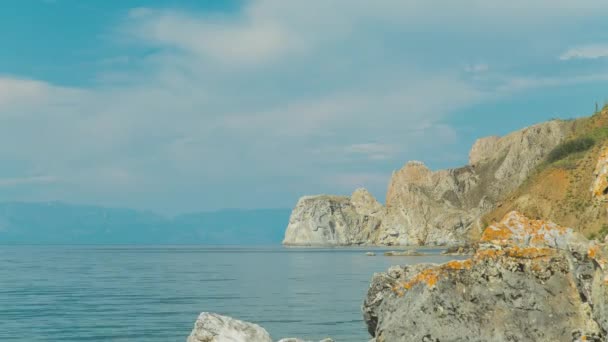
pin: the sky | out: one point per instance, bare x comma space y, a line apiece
178, 106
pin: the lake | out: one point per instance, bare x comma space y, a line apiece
155, 293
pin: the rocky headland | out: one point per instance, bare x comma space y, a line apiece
425, 207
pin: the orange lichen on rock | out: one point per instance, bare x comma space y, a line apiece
593, 251
529, 252
600, 184
428, 277
431, 276
458, 265
517, 228
514, 252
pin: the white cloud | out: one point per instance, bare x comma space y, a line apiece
373, 151
250, 41
283, 95
586, 52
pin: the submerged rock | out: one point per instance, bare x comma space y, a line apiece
210, 327
403, 253
528, 281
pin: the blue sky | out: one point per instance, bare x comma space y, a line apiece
178, 106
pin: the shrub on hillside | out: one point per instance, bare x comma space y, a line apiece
572, 146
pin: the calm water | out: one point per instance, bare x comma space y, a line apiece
118, 293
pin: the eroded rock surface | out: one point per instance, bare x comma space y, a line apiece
529, 280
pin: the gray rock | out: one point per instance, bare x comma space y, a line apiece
370, 254
211, 327
550, 286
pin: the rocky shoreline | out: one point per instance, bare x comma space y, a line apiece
527, 280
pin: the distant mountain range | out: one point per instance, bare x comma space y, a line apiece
60, 223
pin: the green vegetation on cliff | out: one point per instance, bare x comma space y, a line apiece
561, 188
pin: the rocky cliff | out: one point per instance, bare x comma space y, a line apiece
425, 207
529, 280
334, 220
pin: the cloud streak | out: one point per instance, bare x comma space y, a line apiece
586, 52
33, 180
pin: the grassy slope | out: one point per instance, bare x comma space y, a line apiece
560, 191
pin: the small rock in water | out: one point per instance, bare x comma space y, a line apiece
412, 252
370, 254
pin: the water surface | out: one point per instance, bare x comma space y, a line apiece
155, 293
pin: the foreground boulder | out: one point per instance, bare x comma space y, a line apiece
529, 280
210, 327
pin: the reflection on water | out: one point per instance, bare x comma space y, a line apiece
154, 293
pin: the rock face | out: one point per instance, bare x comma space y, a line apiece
442, 207
366, 204
424, 207
334, 220
211, 327
529, 280
483, 149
